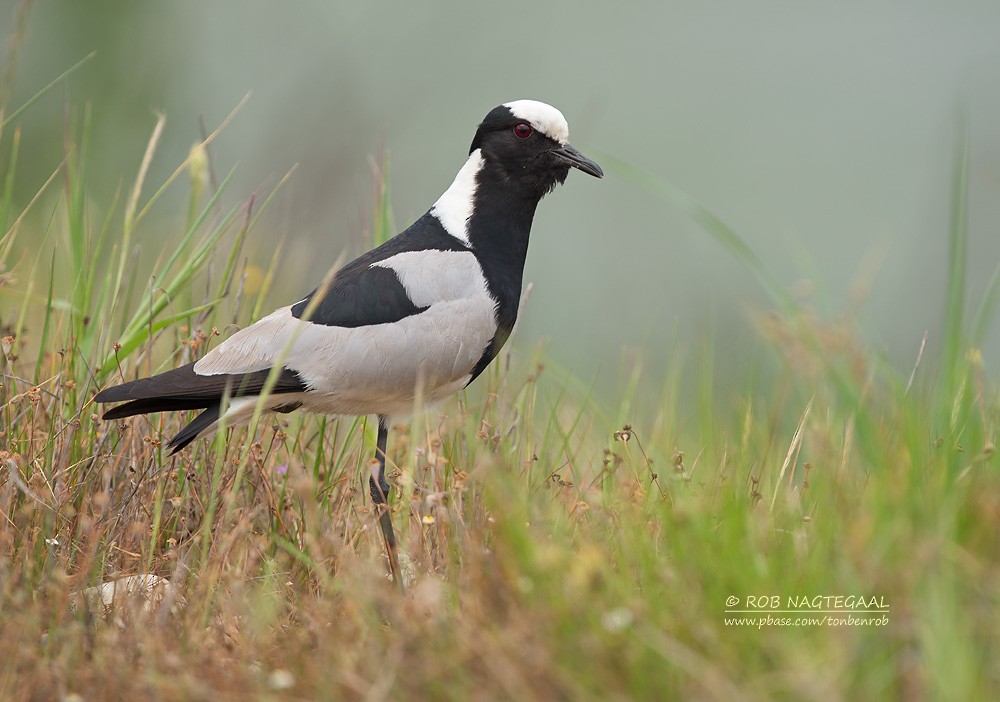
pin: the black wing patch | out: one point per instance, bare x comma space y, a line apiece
359, 297
183, 389
361, 294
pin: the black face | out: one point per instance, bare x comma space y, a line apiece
517, 152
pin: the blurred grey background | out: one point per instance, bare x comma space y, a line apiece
821, 132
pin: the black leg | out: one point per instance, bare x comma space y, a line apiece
379, 488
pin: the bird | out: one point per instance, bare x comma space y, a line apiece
417, 318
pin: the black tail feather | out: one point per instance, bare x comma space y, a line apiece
183, 389
185, 384
189, 433
154, 404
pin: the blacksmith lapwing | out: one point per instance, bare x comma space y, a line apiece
421, 316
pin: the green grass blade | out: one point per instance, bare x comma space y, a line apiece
184, 165
193, 229
37, 96
7, 239
76, 214
957, 260
710, 222
134, 341
984, 312
47, 324
8, 183
956, 398
252, 217
86, 331
133, 199
136, 328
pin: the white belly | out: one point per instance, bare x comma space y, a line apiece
384, 368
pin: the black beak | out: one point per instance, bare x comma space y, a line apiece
577, 160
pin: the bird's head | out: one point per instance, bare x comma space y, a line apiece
526, 143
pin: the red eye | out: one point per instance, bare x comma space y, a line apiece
522, 131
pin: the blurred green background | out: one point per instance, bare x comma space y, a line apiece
821, 132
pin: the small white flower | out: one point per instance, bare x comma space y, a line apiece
280, 680
617, 620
